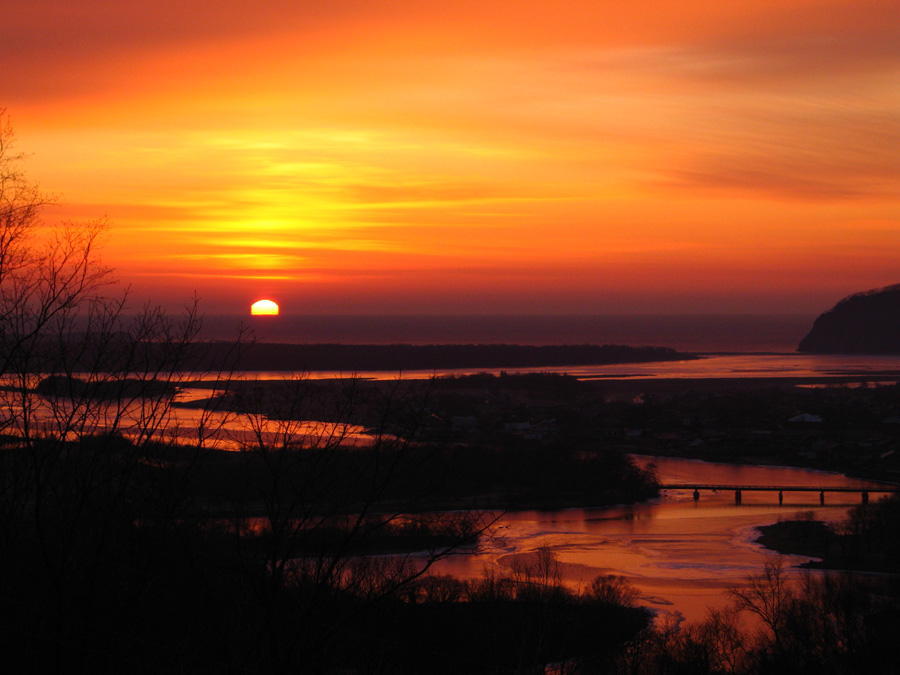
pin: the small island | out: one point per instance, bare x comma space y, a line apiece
865, 541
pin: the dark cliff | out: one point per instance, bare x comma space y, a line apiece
864, 323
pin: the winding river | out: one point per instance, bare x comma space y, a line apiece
682, 555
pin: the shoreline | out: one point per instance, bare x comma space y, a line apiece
608, 408
815, 539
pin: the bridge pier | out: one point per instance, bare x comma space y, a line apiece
696, 488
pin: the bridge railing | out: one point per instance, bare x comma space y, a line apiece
780, 489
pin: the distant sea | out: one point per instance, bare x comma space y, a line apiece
694, 333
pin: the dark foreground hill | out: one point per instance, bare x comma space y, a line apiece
864, 323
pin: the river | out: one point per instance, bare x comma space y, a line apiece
682, 555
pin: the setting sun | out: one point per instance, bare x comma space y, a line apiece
409, 157
264, 308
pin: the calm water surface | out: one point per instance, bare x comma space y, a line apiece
715, 366
682, 555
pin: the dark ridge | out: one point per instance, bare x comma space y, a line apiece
863, 323
352, 358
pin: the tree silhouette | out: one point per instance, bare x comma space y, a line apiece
130, 543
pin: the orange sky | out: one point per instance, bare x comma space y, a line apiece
411, 157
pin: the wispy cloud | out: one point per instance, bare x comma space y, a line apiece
475, 150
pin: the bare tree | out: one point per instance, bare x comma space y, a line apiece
323, 511
769, 595
109, 534
86, 392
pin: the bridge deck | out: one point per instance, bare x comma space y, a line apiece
775, 488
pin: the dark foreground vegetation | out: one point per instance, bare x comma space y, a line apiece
110, 572
778, 624
152, 557
121, 551
868, 539
284, 555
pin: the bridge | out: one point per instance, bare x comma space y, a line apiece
780, 489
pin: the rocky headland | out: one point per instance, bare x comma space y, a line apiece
863, 323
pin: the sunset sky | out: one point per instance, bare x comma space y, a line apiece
354, 156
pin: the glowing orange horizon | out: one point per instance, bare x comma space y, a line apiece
410, 157
264, 308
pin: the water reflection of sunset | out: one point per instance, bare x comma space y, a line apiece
682, 555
